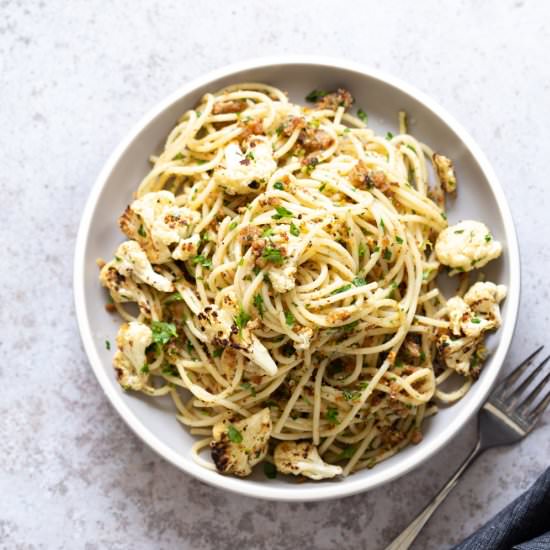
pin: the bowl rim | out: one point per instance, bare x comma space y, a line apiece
311, 491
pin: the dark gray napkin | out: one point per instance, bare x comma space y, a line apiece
523, 525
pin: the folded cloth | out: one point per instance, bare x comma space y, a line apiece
523, 525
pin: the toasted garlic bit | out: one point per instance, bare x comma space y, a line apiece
237, 447
303, 459
467, 245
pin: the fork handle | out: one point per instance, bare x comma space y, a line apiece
407, 537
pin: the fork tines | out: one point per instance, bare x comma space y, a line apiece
509, 393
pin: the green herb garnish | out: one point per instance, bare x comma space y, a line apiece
389, 136
241, 319
272, 255
249, 387
145, 369
163, 332
234, 435
315, 95
259, 304
289, 318
362, 115
205, 262
398, 240
178, 156
387, 254
269, 470
278, 185
341, 289
332, 415
294, 230
282, 212
141, 231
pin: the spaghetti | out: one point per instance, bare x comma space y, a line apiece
282, 259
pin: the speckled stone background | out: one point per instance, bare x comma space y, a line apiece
74, 76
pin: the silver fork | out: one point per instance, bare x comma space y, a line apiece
507, 416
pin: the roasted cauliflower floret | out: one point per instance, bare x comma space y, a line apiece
187, 248
303, 459
217, 325
458, 353
283, 278
121, 288
445, 172
245, 172
466, 246
132, 340
478, 311
155, 222
238, 446
131, 261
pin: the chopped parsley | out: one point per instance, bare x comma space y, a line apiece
348, 452
232, 225
389, 136
387, 254
294, 230
282, 212
248, 386
250, 155
411, 147
107, 345
488, 237
382, 224
289, 318
361, 251
259, 304
217, 352
241, 319
398, 240
141, 231
163, 332
362, 115
269, 470
350, 326
332, 415
272, 255
459, 231
267, 232
341, 289
476, 320
322, 186
315, 95
145, 369
359, 281
444, 216
422, 356
170, 370
234, 435
205, 262
178, 156
175, 297
350, 395
278, 185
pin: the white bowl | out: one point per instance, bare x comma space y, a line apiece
480, 196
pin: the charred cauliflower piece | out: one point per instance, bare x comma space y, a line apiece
155, 222
131, 261
132, 340
303, 459
458, 353
121, 288
248, 171
216, 324
445, 172
466, 246
237, 447
470, 317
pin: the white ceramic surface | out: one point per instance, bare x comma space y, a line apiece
480, 197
